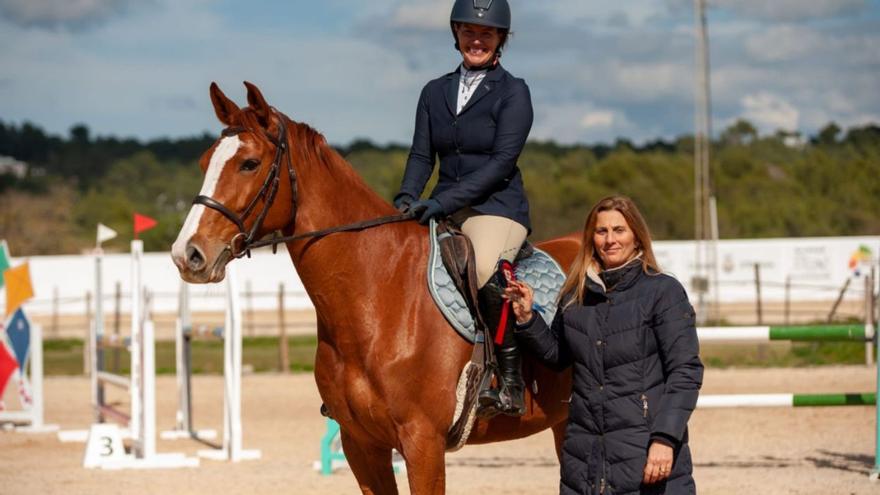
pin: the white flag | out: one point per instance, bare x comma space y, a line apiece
105, 233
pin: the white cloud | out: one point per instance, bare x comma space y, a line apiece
427, 15
791, 10
653, 80
571, 122
72, 14
770, 112
147, 74
599, 119
635, 12
793, 42
785, 42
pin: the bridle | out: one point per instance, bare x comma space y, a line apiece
248, 238
267, 191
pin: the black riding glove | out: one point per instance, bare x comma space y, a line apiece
402, 202
428, 209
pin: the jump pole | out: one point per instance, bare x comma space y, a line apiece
821, 333
785, 400
183, 371
104, 448
231, 447
824, 333
232, 437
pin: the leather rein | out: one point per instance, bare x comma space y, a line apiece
247, 237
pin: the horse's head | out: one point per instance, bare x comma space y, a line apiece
249, 188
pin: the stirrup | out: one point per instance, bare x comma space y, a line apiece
502, 403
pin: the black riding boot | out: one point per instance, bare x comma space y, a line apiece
507, 398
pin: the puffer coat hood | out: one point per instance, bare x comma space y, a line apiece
636, 376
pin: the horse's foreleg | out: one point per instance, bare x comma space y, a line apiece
425, 464
371, 466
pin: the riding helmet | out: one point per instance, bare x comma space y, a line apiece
492, 13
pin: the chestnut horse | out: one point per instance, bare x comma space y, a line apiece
387, 361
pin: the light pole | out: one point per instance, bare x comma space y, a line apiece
705, 261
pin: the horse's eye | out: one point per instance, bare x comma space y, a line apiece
249, 165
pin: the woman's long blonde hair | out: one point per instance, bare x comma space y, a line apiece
574, 287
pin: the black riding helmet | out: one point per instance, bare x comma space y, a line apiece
492, 13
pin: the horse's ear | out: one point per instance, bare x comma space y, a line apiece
258, 103
223, 106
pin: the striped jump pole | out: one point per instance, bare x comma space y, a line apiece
813, 333
785, 400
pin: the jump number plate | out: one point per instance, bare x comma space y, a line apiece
104, 444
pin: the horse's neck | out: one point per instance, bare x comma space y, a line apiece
331, 194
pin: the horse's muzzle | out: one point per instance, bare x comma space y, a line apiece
196, 266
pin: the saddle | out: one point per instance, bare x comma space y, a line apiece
452, 281
450, 262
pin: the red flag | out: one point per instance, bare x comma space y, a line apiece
142, 223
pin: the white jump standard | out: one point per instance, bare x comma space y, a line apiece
231, 448
104, 447
30, 418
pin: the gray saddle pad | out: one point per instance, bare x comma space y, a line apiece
540, 271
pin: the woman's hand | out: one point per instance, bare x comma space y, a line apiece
521, 297
659, 463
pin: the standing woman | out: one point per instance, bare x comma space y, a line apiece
628, 331
477, 119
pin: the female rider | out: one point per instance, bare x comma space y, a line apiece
476, 120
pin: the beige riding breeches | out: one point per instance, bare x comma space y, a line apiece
494, 238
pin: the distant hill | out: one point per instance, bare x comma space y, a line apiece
781, 185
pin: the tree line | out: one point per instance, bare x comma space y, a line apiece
778, 185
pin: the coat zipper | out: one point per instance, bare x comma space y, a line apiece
644, 405
602, 486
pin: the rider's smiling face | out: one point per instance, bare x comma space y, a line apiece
477, 43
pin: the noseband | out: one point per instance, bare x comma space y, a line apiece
246, 238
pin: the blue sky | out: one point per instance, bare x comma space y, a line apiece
598, 70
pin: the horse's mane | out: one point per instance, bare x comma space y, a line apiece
307, 142
310, 146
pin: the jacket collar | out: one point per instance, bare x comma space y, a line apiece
493, 75
615, 279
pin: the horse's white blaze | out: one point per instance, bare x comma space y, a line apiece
227, 148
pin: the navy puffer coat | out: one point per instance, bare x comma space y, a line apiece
637, 374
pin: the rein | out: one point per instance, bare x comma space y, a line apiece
268, 192
351, 227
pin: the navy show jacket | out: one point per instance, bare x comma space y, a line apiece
478, 148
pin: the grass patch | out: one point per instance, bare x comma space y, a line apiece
65, 356
782, 354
